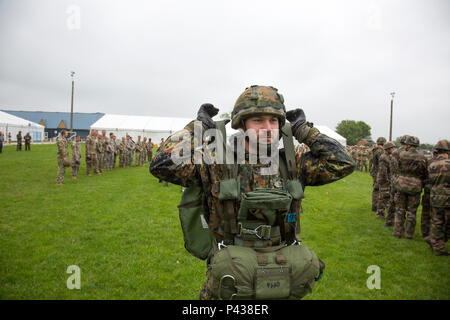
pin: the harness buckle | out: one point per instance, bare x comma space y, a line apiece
262, 231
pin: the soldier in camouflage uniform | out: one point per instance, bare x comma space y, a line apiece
376, 154
76, 157
258, 107
130, 151
150, 147
138, 152
63, 155
365, 158
384, 185
144, 150
439, 178
100, 152
91, 153
110, 153
394, 170
425, 217
122, 147
412, 173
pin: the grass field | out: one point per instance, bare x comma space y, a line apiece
122, 230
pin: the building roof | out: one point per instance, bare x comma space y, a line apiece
52, 120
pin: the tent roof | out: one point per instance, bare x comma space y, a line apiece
331, 133
6, 118
147, 123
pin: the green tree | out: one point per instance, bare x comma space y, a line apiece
353, 130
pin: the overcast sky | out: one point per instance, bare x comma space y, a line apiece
338, 60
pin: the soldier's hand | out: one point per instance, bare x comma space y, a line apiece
205, 114
297, 118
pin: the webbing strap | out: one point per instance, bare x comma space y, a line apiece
229, 172
289, 149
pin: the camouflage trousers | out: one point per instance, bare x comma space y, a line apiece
385, 204
129, 158
205, 292
92, 163
122, 159
109, 160
425, 218
406, 209
101, 161
440, 229
375, 189
61, 171
138, 160
75, 169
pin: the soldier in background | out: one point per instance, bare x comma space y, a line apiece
2, 139
144, 150
122, 148
101, 151
27, 139
150, 149
76, 157
116, 150
425, 217
91, 153
109, 153
138, 152
376, 153
63, 155
130, 150
412, 173
384, 185
9, 137
19, 141
439, 176
365, 158
394, 170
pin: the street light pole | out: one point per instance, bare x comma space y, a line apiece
392, 107
72, 73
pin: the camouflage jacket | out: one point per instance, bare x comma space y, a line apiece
395, 155
376, 154
63, 151
384, 174
412, 164
76, 152
324, 163
91, 143
122, 147
439, 176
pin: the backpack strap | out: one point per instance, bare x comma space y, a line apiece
229, 190
288, 170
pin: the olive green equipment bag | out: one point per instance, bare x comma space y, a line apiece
280, 272
197, 237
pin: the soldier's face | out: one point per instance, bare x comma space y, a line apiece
264, 126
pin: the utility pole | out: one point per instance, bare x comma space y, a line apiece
392, 107
72, 73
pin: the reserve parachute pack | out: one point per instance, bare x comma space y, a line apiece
260, 256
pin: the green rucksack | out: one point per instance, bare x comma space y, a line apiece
272, 272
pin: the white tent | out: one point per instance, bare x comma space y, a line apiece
12, 124
144, 126
332, 134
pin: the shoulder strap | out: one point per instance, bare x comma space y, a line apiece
289, 149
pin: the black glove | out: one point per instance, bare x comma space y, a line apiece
205, 114
297, 118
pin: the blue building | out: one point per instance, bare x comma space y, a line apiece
54, 122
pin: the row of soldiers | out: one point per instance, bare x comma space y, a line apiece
101, 153
361, 155
400, 176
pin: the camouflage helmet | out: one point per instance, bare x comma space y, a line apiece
388, 145
381, 140
403, 139
412, 141
442, 145
258, 100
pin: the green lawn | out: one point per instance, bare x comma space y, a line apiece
122, 230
